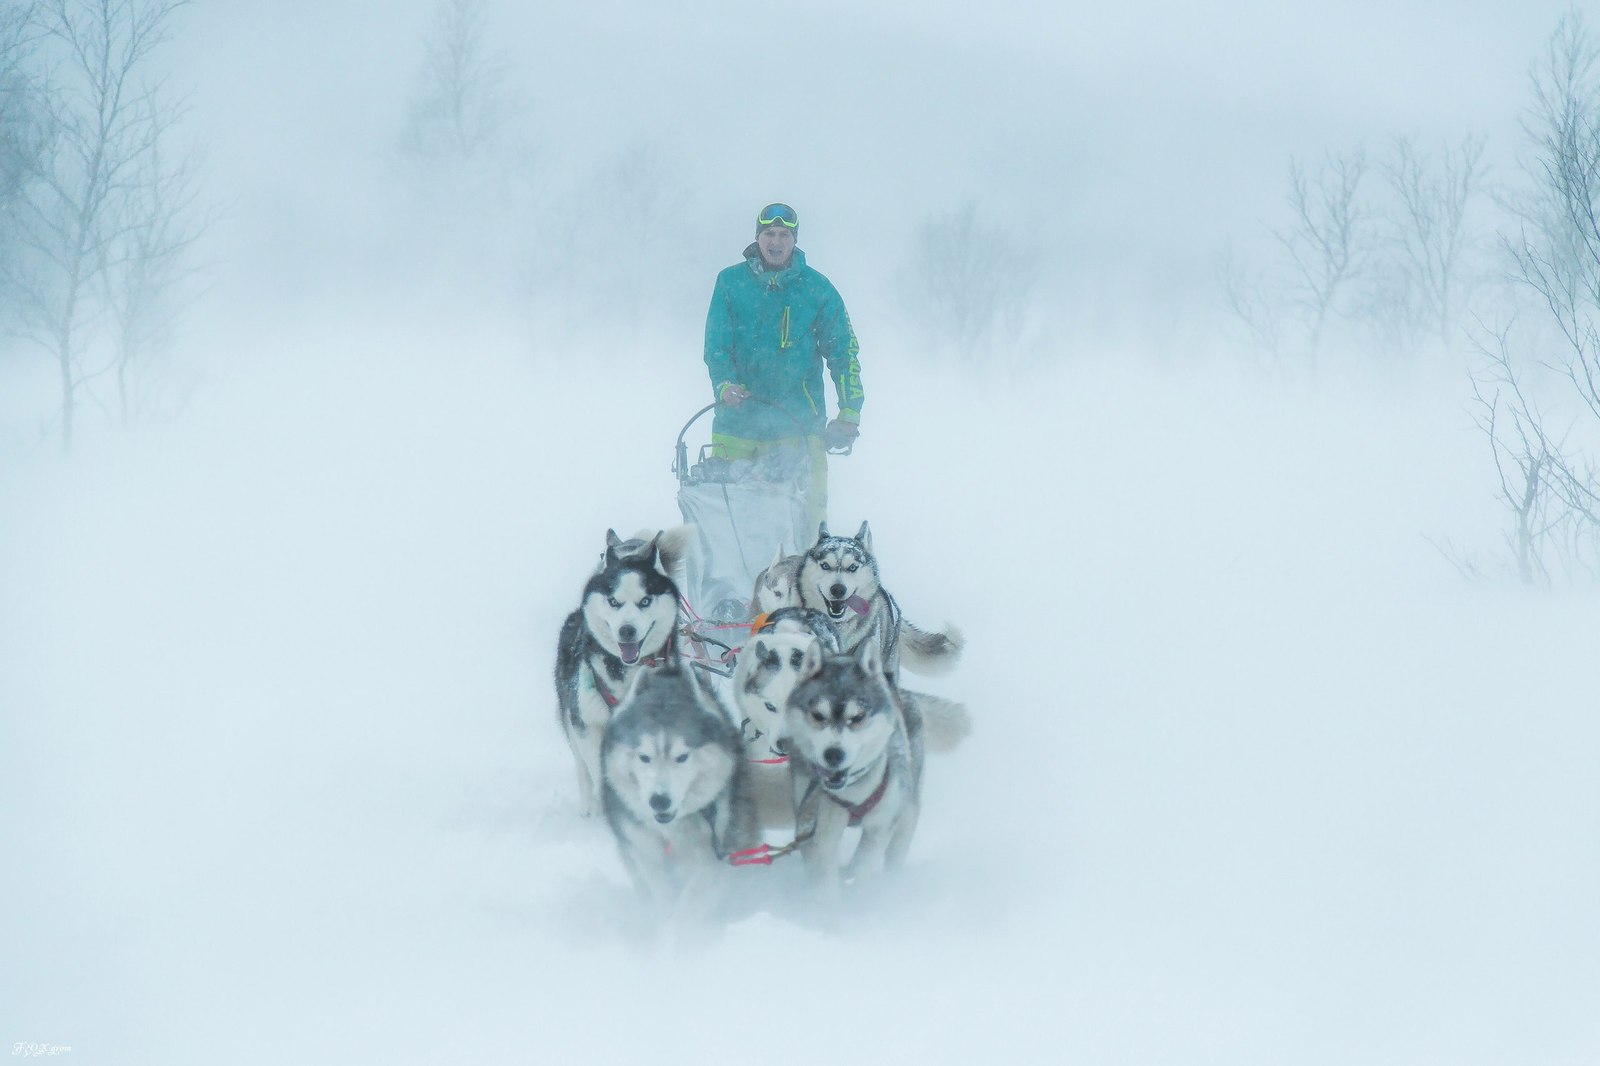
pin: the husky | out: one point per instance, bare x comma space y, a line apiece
857, 751
777, 586
839, 575
674, 796
764, 674
628, 620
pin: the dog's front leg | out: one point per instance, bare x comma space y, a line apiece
869, 857
586, 750
900, 836
703, 889
652, 873
822, 850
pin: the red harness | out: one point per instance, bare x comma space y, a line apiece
860, 810
600, 686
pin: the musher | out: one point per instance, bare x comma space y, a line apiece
774, 324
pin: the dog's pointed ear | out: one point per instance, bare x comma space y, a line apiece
653, 556
613, 542
870, 658
864, 535
811, 665
822, 532
777, 559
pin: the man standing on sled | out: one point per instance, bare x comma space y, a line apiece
774, 324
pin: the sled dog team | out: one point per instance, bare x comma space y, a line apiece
819, 737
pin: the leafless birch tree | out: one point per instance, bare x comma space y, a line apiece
1428, 228
971, 282
1555, 258
460, 101
1328, 242
105, 115
20, 123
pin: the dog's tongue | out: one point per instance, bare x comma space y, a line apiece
630, 652
858, 605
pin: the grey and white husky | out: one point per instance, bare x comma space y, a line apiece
674, 789
777, 586
839, 576
857, 755
766, 672
627, 621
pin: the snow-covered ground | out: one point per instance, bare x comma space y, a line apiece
1256, 777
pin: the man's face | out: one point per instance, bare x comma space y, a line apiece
777, 246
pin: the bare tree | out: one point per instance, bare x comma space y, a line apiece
146, 262
1531, 466
1328, 243
20, 119
1249, 297
459, 104
1428, 229
1559, 124
105, 114
972, 281
1554, 486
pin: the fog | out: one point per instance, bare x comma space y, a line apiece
1256, 776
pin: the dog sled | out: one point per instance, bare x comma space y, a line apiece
744, 511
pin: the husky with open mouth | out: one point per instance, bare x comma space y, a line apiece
839, 576
857, 753
626, 623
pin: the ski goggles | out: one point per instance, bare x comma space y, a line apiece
777, 215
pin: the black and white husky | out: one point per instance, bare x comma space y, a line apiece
839, 576
627, 622
674, 789
856, 750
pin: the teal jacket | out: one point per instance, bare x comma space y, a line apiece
772, 332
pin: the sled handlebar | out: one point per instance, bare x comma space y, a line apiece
680, 454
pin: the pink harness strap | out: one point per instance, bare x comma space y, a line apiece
860, 810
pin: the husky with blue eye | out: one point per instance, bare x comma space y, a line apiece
674, 789
839, 576
627, 622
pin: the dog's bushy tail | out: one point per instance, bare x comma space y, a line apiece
930, 654
675, 544
945, 723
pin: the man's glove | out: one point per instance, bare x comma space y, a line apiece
734, 395
841, 433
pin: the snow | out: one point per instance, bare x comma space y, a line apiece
1256, 777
